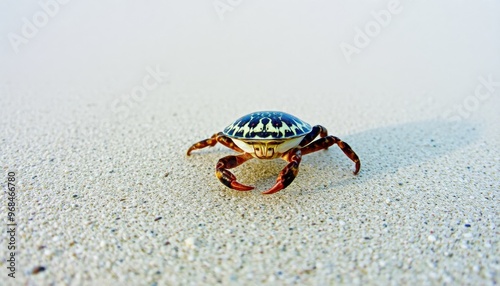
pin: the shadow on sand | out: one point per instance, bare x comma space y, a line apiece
386, 150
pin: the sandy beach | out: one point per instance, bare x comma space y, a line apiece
97, 116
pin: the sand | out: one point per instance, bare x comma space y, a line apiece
107, 195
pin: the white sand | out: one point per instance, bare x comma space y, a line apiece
95, 206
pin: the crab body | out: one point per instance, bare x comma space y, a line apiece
270, 135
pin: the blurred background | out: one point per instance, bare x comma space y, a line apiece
361, 65
255, 46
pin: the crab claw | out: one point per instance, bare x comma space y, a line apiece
240, 187
288, 174
228, 178
276, 188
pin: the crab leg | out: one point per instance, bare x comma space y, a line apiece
218, 137
328, 141
226, 177
316, 130
288, 174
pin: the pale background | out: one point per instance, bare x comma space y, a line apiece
91, 158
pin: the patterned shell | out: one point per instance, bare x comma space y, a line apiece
267, 125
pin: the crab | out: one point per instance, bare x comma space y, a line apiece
270, 135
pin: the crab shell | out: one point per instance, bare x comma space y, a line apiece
267, 134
